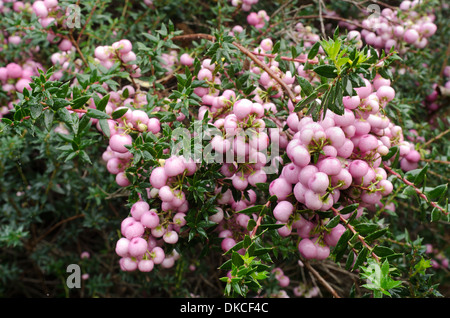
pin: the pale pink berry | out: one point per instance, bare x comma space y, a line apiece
322, 251
313, 200
227, 243
165, 193
65, 45
118, 142
410, 36
358, 168
174, 166
186, 59
128, 264
40, 9
137, 246
139, 208
14, 70
319, 182
158, 177
283, 210
150, 219
351, 102
133, 229
170, 237
122, 247
122, 180
386, 93
157, 254
242, 108
146, 265
299, 155
307, 248
332, 237
281, 188
368, 142
330, 165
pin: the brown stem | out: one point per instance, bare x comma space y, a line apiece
87, 21
352, 229
320, 279
420, 193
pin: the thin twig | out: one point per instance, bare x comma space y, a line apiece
420, 193
320, 278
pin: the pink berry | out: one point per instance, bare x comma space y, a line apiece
174, 166
351, 102
133, 229
368, 142
40, 9
410, 36
128, 264
14, 70
118, 142
334, 235
283, 210
165, 193
307, 248
242, 108
313, 200
139, 208
65, 45
137, 246
330, 165
150, 219
158, 177
358, 168
319, 182
122, 247
146, 265
185, 59
170, 237
281, 188
227, 243
299, 155
157, 254
386, 93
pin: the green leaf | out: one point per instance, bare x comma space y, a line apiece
95, 113
35, 110
104, 126
328, 71
313, 51
80, 101
306, 87
48, 119
119, 112
361, 258
101, 105
333, 222
437, 192
237, 259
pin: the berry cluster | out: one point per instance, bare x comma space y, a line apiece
120, 51
401, 28
14, 78
340, 154
147, 229
245, 5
